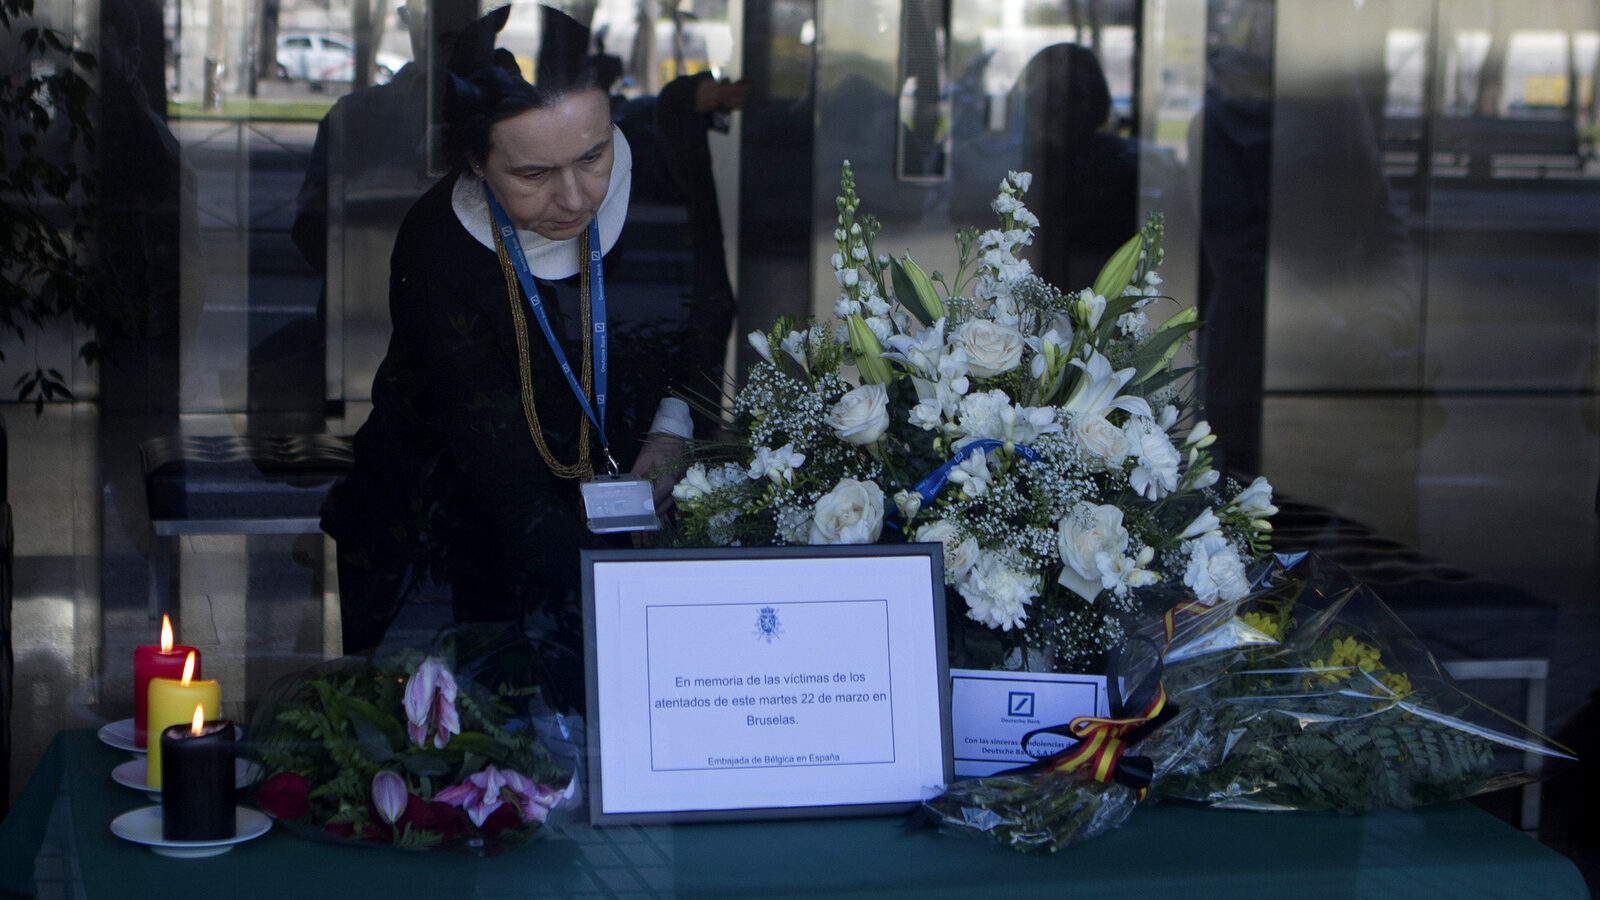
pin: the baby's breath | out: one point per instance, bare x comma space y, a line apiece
1029, 471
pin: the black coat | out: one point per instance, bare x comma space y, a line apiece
449, 499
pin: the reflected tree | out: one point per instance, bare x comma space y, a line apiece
46, 183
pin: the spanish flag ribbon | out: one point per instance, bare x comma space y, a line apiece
1103, 741
1169, 620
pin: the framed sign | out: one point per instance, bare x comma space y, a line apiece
742, 683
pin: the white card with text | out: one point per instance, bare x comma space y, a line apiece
991, 711
764, 682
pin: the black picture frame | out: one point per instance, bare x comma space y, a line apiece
624, 590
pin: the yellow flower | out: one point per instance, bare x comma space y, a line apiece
1398, 683
1326, 671
1351, 652
1345, 651
1261, 623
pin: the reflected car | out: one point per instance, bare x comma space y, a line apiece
317, 58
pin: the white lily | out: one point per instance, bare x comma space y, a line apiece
1205, 523
762, 346
795, 344
777, 465
693, 485
922, 353
1096, 393
972, 474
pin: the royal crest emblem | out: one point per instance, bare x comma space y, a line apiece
768, 628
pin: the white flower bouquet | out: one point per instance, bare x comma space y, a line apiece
1045, 437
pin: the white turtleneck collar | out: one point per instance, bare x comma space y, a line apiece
547, 259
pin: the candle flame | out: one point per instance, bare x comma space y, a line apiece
198, 723
188, 668
166, 633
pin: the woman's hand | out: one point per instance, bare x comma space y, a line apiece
660, 460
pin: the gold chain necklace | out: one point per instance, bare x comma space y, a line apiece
583, 468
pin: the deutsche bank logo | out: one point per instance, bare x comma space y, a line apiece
1020, 703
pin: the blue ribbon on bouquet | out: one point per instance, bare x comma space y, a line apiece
929, 487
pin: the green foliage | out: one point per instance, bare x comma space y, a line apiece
342, 723
47, 187
1391, 759
1309, 711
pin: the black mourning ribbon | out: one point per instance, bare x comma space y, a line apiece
1130, 771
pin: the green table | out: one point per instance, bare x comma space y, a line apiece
1452, 851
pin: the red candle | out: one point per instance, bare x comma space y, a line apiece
197, 780
149, 661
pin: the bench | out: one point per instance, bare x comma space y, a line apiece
233, 484
1539, 142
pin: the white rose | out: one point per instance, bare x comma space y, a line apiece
851, 513
861, 416
1091, 541
992, 349
960, 551
1100, 437
1215, 571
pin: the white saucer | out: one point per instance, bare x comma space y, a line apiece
143, 826
119, 734
134, 772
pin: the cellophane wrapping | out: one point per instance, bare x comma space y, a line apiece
1309, 694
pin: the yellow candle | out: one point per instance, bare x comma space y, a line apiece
172, 702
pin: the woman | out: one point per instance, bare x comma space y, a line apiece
466, 481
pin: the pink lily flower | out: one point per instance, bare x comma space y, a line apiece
389, 795
486, 791
479, 795
431, 704
533, 801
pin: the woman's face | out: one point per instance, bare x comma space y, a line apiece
550, 167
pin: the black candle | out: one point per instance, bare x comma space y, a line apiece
197, 782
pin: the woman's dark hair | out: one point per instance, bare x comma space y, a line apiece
486, 84
1065, 90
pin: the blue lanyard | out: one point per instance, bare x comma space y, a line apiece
597, 306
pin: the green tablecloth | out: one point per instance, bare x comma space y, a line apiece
1452, 851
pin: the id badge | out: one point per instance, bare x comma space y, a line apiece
619, 503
